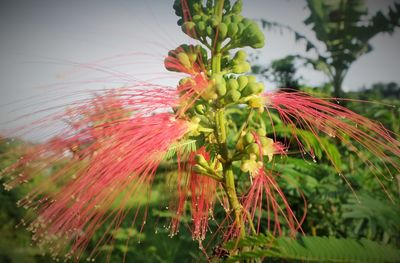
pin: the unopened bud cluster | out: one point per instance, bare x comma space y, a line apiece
217, 77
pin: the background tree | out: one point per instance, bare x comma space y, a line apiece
281, 71
345, 28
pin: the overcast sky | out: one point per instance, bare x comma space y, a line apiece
97, 44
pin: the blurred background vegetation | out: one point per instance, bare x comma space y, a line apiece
334, 210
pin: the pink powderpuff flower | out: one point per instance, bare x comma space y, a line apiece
299, 110
201, 190
264, 194
203, 194
119, 151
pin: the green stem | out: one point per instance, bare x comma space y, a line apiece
216, 52
244, 125
220, 123
234, 203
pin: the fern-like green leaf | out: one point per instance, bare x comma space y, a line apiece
313, 249
183, 147
320, 146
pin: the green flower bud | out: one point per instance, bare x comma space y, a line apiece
209, 93
262, 132
210, 32
201, 28
184, 60
232, 96
226, 20
214, 21
199, 158
197, 7
248, 138
200, 108
250, 89
196, 18
241, 68
232, 30
246, 22
236, 18
199, 169
245, 166
240, 56
260, 87
221, 89
233, 84
189, 29
256, 102
251, 79
192, 57
237, 7
217, 78
241, 27
252, 35
252, 148
222, 31
242, 80
258, 40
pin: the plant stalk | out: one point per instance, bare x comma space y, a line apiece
220, 123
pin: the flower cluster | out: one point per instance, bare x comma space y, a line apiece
116, 142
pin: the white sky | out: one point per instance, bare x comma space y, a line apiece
42, 41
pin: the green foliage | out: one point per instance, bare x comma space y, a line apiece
280, 71
15, 242
184, 147
313, 249
375, 219
345, 28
